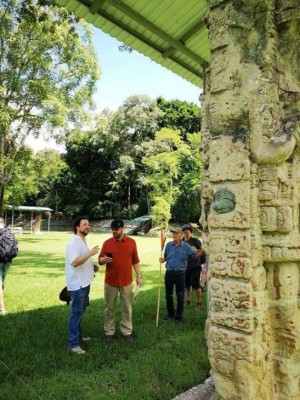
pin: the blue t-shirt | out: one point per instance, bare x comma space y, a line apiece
177, 256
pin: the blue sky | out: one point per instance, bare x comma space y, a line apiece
125, 74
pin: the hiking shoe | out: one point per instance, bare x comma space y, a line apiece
128, 338
109, 338
169, 317
86, 338
77, 350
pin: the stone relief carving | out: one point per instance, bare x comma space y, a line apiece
251, 198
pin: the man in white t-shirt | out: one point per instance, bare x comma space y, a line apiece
79, 275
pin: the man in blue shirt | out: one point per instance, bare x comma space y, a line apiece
176, 255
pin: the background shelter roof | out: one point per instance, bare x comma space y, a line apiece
28, 208
169, 32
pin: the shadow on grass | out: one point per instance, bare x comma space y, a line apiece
34, 260
162, 362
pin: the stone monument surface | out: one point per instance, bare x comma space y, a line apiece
251, 198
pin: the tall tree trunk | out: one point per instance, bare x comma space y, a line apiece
129, 194
250, 198
2, 171
1, 198
36, 226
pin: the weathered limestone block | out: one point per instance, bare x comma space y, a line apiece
277, 254
234, 165
236, 244
237, 321
230, 296
251, 198
226, 345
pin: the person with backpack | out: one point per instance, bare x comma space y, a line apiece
8, 250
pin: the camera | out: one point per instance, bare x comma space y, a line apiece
108, 255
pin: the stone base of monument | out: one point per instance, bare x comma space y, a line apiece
205, 391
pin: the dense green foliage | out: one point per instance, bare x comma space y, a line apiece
48, 74
161, 363
118, 168
104, 174
179, 115
163, 163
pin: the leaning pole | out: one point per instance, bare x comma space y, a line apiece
251, 198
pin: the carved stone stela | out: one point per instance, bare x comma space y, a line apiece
251, 198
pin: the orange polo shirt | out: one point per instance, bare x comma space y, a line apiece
124, 254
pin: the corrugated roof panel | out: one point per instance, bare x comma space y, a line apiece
154, 28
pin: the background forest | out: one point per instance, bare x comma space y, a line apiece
143, 158
143, 148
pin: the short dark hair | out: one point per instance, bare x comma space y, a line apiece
77, 221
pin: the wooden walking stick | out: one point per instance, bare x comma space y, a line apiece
162, 245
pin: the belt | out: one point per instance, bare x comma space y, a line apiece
179, 272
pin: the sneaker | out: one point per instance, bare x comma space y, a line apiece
169, 317
109, 338
188, 303
179, 321
198, 306
77, 350
86, 338
128, 338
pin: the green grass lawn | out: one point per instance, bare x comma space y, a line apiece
162, 362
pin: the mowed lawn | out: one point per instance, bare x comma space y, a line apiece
162, 362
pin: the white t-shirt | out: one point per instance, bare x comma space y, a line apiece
83, 275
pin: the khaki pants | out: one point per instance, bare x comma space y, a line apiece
110, 296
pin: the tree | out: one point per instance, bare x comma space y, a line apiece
84, 182
23, 177
163, 166
187, 206
113, 186
48, 74
179, 115
136, 121
48, 165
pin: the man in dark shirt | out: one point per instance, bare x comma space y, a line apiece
193, 270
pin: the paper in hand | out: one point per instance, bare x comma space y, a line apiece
135, 292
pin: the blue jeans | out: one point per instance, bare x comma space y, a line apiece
80, 300
176, 279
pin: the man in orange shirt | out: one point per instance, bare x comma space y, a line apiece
119, 253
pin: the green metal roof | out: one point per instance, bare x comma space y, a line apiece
169, 32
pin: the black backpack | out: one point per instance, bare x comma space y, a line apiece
8, 245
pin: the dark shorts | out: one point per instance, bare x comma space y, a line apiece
192, 277
3, 271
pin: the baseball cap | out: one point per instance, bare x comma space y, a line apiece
176, 230
116, 223
187, 227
